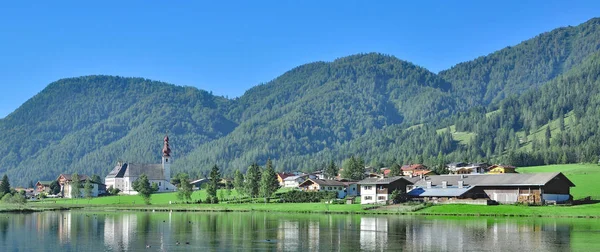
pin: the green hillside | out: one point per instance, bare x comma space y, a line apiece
495, 108
86, 124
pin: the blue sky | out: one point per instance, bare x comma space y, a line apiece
227, 47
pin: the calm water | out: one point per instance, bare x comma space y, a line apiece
133, 231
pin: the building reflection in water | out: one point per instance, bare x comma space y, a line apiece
240, 231
119, 231
373, 233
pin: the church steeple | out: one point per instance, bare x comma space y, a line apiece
166, 150
167, 159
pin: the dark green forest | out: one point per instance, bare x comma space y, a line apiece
534, 103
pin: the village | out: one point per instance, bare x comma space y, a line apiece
479, 184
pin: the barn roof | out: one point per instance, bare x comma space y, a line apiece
506, 179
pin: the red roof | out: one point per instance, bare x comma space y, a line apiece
422, 172
284, 175
413, 167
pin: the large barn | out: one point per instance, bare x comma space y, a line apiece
508, 188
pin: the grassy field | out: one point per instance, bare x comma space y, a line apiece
511, 210
586, 177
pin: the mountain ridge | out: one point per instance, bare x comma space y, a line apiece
361, 104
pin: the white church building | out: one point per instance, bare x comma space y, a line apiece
124, 174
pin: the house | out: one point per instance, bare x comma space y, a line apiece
294, 181
475, 168
281, 177
385, 171
328, 185
423, 173
378, 190
43, 186
65, 181
410, 169
197, 184
124, 174
352, 187
455, 165
500, 169
373, 175
508, 188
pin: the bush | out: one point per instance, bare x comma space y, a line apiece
14, 199
295, 196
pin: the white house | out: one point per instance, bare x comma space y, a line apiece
65, 181
294, 181
124, 174
327, 185
378, 190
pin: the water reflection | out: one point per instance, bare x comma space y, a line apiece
134, 231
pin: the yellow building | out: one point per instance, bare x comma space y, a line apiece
499, 169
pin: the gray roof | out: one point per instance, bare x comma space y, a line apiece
292, 178
439, 192
324, 182
506, 179
382, 181
153, 171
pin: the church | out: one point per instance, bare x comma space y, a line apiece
124, 174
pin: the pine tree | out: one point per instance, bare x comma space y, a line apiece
75, 185
88, 189
184, 191
253, 176
238, 182
213, 184
268, 181
353, 168
4, 185
143, 187
395, 170
331, 171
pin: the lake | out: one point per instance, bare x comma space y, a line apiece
160, 231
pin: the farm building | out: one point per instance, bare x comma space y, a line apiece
508, 188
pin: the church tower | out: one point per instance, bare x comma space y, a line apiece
166, 159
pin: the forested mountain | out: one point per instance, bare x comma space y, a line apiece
533, 103
86, 124
529, 64
322, 105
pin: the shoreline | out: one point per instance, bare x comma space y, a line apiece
246, 208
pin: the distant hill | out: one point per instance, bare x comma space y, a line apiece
86, 124
494, 108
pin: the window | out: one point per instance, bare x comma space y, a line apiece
380, 187
368, 198
329, 188
381, 198
159, 183
368, 187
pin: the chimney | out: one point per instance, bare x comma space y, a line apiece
462, 176
428, 184
411, 175
421, 175
444, 184
461, 184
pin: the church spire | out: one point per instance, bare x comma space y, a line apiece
166, 150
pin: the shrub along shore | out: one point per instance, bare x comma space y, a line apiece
169, 202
